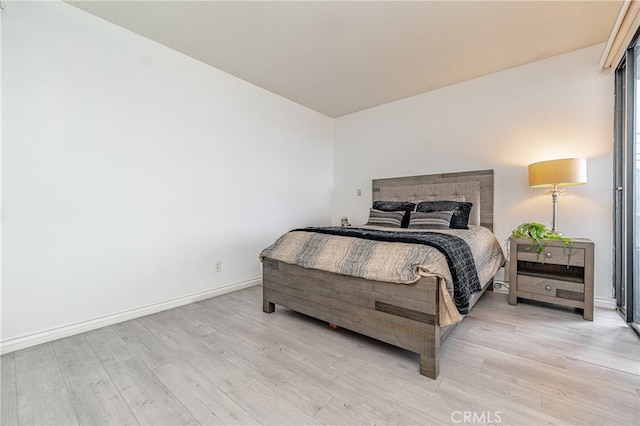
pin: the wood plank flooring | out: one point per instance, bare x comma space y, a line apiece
223, 361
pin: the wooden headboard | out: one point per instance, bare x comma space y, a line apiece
475, 187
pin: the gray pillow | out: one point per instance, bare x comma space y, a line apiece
431, 220
396, 206
386, 219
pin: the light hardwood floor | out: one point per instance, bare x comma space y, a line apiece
223, 361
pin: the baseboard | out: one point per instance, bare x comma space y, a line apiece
34, 339
601, 302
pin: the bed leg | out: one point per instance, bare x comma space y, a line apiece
430, 366
430, 358
268, 307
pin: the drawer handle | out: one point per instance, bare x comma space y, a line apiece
548, 254
547, 287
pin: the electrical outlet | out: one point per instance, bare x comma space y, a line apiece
218, 267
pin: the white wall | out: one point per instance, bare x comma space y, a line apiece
128, 169
555, 108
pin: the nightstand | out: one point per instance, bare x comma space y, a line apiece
559, 275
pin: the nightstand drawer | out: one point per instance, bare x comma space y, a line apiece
554, 255
551, 288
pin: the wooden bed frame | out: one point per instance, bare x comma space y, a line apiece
404, 315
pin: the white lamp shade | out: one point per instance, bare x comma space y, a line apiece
564, 172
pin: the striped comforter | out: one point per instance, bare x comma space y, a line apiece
395, 262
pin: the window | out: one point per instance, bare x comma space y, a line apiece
627, 186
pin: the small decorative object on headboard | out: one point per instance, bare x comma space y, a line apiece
454, 196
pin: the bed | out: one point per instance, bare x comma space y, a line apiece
413, 310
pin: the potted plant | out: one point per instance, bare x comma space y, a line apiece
538, 234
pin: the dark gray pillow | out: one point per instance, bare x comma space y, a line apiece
460, 209
395, 206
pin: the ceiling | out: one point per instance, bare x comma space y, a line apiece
339, 57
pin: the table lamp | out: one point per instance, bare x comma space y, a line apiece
556, 173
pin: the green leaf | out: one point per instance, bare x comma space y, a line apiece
538, 233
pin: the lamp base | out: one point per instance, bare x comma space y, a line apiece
554, 199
